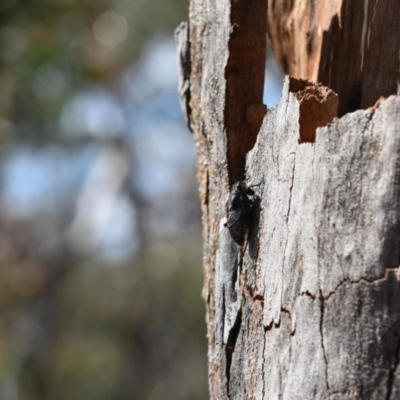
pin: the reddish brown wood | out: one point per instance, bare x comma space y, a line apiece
350, 46
244, 73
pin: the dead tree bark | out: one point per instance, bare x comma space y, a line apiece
311, 310
350, 46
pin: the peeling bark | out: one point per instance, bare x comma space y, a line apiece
311, 308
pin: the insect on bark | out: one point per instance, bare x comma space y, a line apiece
240, 211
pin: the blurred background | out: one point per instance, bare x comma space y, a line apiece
100, 232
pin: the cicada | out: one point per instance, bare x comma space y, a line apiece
240, 207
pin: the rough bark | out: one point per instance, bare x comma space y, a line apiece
311, 310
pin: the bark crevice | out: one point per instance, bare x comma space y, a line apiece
321, 330
358, 281
244, 74
369, 281
393, 369
230, 348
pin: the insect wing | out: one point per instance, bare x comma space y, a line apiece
234, 216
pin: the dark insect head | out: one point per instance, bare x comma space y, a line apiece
241, 187
255, 185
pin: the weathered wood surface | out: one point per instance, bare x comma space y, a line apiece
312, 311
316, 313
326, 275
350, 46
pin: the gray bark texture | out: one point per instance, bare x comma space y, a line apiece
309, 308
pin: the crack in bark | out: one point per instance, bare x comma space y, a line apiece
277, 324
369, 119
287, 312
308, 294
287, 235
290, 191
365, 280
263, 363
348, 281
392, 371
322, 300
271, 325
230, 348
321, 322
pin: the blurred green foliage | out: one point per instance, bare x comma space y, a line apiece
97, 331
49, 50
72, 326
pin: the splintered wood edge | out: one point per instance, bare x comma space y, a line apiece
318, 106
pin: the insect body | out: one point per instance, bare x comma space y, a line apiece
240, 211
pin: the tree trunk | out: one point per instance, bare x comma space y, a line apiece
309, 308
351, 46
